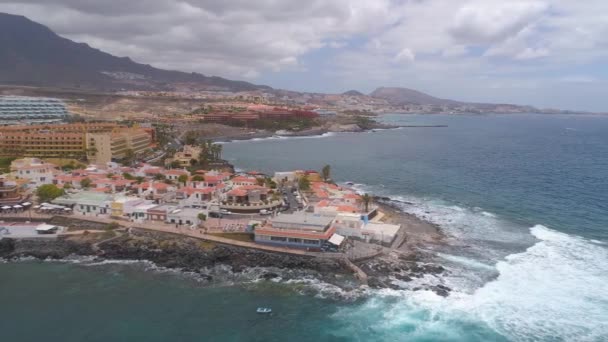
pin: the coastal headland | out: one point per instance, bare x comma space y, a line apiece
204, 254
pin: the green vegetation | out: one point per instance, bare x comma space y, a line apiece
326, 172
5, 164
128, 176
304, 183
198, 178
48, 192
190, 138
85, 183
129, 157
202, 217
182, 179
367, 199
365, 122
72, 165
163, 133
160, 177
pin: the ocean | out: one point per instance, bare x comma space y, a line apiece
522, 200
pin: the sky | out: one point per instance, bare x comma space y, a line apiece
547, 53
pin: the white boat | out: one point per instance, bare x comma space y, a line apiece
264, 310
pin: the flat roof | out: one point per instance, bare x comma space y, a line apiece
303, 218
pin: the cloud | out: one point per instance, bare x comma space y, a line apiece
445, 44
405, 56
482, 22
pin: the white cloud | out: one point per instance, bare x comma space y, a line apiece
365, 43
405, 56
483, 22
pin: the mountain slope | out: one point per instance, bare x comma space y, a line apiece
402, 96
32, 54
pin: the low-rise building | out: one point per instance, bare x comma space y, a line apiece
299, 230
185, 156
187, 216
87, 202
36, 171
356, 225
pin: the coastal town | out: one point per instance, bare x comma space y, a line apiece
96, 181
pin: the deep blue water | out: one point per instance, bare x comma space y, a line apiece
523, 200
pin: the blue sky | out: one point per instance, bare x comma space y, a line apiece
547, 53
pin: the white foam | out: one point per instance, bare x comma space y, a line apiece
280, 137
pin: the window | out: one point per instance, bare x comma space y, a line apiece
278, 238
311, 242
295, 240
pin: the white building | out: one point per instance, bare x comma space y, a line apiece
35, 170
353, 225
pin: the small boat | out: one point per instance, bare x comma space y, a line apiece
264, 310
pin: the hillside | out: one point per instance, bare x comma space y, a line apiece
403, 96
32, 54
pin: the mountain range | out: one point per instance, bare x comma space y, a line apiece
31, 54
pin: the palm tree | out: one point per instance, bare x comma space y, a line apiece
367, 199
326, 172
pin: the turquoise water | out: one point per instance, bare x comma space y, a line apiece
523, 200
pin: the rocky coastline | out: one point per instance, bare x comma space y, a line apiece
404, 268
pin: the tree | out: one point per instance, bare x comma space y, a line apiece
67, 185
202, 217
175, 164
139, 179
367, 199
48, 192
159, 177
193, 162
128, 176
129, 157
198, 178
85, 183
304, 183
326, 172
260, 181
190, 138
182, 179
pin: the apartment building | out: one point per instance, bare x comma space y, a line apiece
100, 142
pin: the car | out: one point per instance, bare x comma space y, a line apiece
214, 214
265, 212
225, 211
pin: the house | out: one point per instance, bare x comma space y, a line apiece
196, 196
185, 156
243, 180
87, 202
153, 189
248, 194
299, 230
139, 213
288, 176
159, 213
123, 205
174, 174
36, 171
187, 216
356, 225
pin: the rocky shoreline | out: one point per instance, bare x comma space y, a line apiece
395, 270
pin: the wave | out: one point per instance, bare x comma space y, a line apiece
279, 137
552, 291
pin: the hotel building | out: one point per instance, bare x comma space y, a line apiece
100, 142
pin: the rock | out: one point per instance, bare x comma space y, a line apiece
441, 290
269, 275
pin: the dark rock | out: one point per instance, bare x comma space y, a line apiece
269, 275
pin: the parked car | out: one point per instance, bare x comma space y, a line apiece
214, 214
